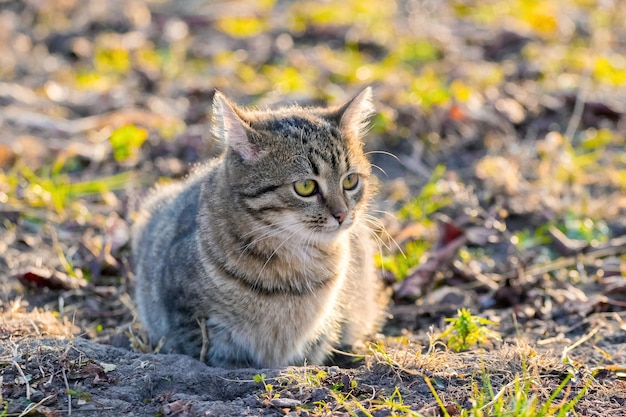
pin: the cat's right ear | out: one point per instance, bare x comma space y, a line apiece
354, 116
228, 127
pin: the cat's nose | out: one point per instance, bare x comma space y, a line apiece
340, 216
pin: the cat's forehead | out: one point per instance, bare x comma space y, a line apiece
297, 125
308, 140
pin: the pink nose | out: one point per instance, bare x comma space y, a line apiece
340, 216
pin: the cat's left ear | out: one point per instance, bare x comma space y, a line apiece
354, 116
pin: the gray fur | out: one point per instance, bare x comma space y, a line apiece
276, 278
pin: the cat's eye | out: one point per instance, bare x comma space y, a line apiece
350, 181
305, 188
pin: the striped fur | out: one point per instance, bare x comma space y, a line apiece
276, 278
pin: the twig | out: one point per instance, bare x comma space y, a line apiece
616, 303
502, 392
69, 396
350, 354
69, 269
555, 339
19, 369
32, 406
205, 340
622, 324
248, 381
579, 105
591, 255
579, 342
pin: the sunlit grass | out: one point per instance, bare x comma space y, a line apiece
517, 399
25, 189
519, 391
433, 196
126, 142
466, 330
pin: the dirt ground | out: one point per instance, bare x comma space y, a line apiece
506, 192
79, 376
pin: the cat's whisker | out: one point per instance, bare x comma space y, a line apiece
267, 235
267, 231
379, 240
279, 226
384, 212
383, 153
307, 245
287, 222
380, 169
376, 222
379, 244
264, 232
261, 230
373, 233
276, 250
373, 221
378, 226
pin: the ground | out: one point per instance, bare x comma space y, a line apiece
499, 146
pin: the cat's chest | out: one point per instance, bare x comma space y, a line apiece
318, 292
281, 328
287, 329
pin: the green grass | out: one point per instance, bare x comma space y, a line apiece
419, 209
517, 399
126, 142
269, 393
54, 191
467, 330
522, 389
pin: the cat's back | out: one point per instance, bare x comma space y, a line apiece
164, 248
168, 215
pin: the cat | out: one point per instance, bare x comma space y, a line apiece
268, 246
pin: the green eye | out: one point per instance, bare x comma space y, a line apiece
305, 188
350, 181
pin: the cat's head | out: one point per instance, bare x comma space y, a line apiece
299, 169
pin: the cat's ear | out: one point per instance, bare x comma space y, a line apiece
354, 116
228, 126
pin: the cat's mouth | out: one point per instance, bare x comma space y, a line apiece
331, 228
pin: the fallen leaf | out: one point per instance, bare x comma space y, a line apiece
178, 408
45, 411
108, 367
91, 370
6, 155
451, 238
48, 278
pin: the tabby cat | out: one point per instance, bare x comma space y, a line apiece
263, 257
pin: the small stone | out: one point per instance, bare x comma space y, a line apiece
334, 370
36, 396
285, 402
